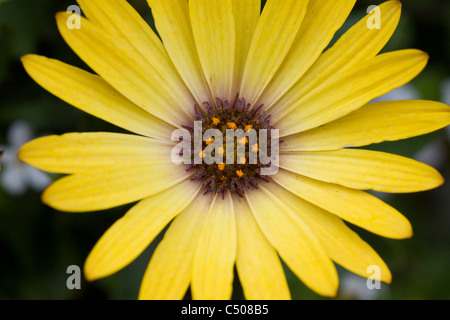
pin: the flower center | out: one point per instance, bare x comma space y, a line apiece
235, 145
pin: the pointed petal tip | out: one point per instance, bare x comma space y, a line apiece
44, 197
32, 58
29, 61
20, 154
59, 17
426, 56
403, 232
47, 200
438, 181
386, 276
395, 4
434, 181
330, 292
410, 234
89, 278
419, 54
62, 18
92, 272
60, 14
89, 274
25, 58
24, 152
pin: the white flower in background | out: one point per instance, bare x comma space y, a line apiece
16, 176
445, 91
355, 288
445, 97
407, 92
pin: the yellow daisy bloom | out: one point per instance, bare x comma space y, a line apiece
211, 52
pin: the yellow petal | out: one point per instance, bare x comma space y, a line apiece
349, 90
93, 95
170, 270
212, 277
274, 35
373, 123
118, 18
123, 68
128, 237
363, 169
357, 45
82, 152
323, 18
213, 27
246, 17
174, 26
112, 186
343, 245
295, 242
355, 206
259, 268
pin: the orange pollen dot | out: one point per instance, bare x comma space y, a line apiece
232, 125
248, 127
240, 173
209, 141
201, 154
221, 167
242, 161
221, 150
243, 140
255, 148
215, 121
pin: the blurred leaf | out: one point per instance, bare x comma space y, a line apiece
21, 19
429, 81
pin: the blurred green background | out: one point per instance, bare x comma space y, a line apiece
37, 243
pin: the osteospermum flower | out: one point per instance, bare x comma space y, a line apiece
228, 65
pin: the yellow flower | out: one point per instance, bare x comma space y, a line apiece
210, 53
